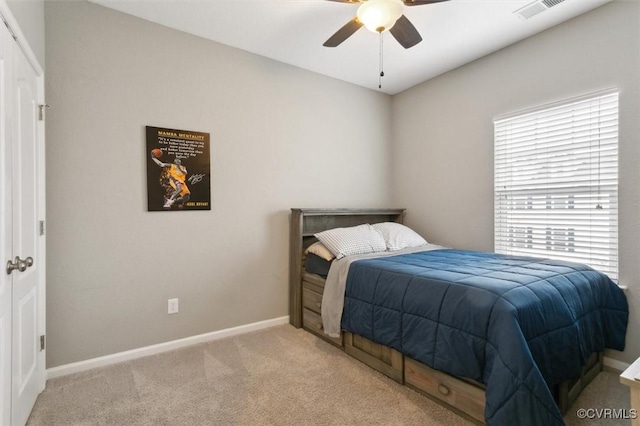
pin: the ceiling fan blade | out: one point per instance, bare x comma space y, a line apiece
351, 1
416, 2
405, 33
343, 33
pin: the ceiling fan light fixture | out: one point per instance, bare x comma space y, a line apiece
380, 15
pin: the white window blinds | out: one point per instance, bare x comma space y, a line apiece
556, 182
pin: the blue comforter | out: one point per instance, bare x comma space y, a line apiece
519, 325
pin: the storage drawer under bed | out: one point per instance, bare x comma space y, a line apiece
465, 398
312, 289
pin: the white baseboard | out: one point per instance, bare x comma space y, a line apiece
102, 361
615, 364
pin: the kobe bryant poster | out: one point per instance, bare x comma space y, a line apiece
178, 170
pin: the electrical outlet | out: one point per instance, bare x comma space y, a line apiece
173, 306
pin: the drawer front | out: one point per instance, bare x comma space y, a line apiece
312, 300
314, 279
454, 392
313, 322
381, 358
313, 286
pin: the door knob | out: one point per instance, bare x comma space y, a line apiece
19, 264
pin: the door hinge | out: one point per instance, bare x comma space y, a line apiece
41, 227
42, 342
11, 33
41, 113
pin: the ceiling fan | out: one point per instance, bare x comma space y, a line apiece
379, 16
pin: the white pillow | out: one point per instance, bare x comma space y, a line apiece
359, 239
320, 250
397, 236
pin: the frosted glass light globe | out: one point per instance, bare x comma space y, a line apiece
379, 15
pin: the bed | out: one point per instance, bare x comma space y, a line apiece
493, 361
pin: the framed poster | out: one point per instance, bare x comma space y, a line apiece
178, 170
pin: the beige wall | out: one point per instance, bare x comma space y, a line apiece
281, 137
443, 161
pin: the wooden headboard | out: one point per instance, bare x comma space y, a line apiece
305, 223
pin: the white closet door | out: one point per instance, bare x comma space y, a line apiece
26, 362
6, 95
22, 363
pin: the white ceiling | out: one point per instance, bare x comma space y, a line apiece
454, 32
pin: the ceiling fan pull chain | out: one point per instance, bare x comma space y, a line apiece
381, 63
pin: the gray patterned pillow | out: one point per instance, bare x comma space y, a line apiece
359, 239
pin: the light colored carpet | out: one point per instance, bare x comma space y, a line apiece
277, 376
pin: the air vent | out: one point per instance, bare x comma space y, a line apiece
532, 9
551, 3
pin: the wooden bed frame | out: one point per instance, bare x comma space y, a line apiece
463, 396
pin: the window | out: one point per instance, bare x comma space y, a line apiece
556, 182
